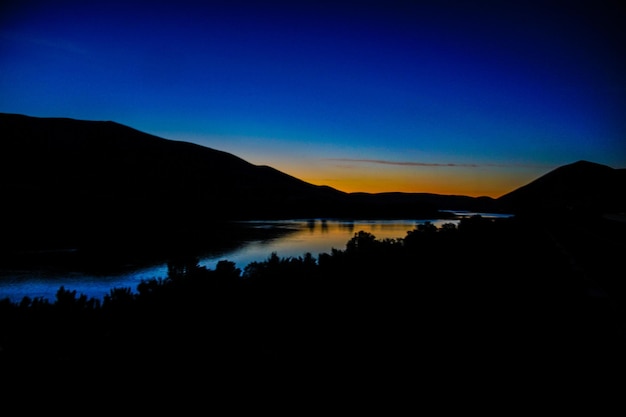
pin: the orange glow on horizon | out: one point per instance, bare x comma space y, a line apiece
432, 188
356, 171
433, 175
466, 182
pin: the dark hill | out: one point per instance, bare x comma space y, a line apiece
66, 179
581, 187
77, 167
439, 201
63, 180
107, 163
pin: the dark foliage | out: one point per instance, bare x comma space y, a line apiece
500, 299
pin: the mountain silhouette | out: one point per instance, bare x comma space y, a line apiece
581, 187
102, 162
65, 181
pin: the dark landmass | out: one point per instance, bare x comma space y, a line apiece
502, 309
580, 188
493, 308
70, 182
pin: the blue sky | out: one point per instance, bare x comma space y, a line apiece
473, 98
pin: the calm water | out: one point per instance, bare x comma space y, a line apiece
297, 238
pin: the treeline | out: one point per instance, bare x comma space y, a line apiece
494, 296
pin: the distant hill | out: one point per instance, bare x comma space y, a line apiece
73, 178
67, 178
104, 162
582, 187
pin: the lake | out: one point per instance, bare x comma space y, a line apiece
287, 238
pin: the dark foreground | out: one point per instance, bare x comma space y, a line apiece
509, 310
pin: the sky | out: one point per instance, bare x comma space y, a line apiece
451, 97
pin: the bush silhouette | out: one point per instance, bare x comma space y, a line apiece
445, 295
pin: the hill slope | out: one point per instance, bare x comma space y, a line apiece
66, 178
105, 161
580, 187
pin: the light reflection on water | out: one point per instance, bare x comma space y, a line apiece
303, 236
317, 236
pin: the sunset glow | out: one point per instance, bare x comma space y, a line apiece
461, 98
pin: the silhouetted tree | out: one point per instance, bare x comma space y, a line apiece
426, 227
118, 297
361, 242
449, 294
227, 268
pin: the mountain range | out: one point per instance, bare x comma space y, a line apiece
72, 178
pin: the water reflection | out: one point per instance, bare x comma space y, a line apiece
287, 238
315, 236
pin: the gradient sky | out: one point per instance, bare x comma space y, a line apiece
451, 97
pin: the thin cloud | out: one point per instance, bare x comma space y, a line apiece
402, 163
425, 164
